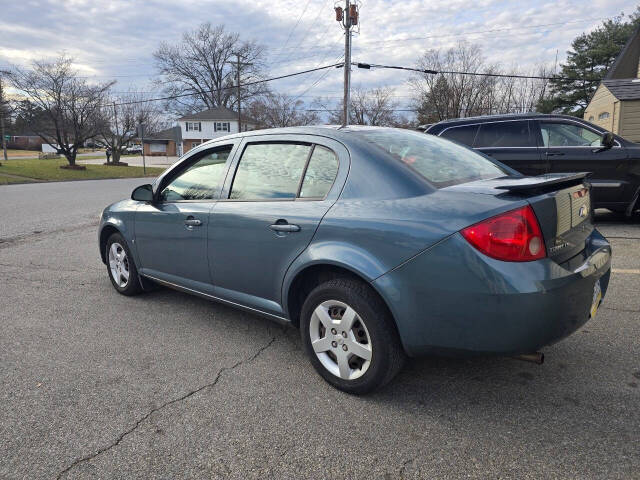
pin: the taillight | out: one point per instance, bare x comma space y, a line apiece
513, 236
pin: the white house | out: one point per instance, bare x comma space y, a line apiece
209, 124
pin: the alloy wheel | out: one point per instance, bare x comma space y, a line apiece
119, 265
340, 339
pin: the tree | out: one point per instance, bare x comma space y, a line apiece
280, 110
453, 95
374, 107
120, 121
591, 55
61, 108
203, 69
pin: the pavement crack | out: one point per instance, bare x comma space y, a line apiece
126, 433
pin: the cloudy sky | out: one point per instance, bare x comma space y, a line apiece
115, 39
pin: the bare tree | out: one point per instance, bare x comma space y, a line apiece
375, 107
453, 95
62, 108
202, 68
120, 121
281, 110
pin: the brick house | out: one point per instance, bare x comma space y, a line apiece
165, 143
209, 124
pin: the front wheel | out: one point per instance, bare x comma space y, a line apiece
350, 336
121, 267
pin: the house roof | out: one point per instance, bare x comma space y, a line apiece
218, 113
626, 63
173, 133
627, 89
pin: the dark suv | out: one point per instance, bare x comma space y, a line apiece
535, 144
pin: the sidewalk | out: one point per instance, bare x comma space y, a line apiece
136, 161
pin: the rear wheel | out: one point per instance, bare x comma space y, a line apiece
121, 267
350, 336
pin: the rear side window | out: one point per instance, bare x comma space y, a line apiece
466, 134
504, 134
320, 174
441, 162
270, 171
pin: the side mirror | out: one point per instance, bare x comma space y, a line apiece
607, 140
143, 193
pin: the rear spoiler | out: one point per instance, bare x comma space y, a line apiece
549, 181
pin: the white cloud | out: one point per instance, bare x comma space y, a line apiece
116, 38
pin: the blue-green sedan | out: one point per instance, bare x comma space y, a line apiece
376, 243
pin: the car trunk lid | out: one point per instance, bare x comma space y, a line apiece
561, 202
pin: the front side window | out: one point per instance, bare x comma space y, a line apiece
320, 173
200, 180
504, 134
559, 134
465, 135
441, 162
269, 171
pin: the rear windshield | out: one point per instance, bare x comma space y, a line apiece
441, 162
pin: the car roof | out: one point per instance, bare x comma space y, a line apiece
336, 132
495, 118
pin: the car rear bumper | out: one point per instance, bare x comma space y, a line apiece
452, 299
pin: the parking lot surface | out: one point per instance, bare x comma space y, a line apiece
165, 385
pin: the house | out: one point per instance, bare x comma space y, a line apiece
616, 103
209, 124
165, 143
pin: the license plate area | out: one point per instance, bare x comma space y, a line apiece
573, 206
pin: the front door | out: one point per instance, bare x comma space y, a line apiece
268, 214
171, 232
573, 147
512, 143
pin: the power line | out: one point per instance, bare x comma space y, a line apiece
368, 66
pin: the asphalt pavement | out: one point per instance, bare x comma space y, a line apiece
165, 385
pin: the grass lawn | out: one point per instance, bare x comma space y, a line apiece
49, 170
4, 180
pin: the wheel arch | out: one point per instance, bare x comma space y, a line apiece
312, 275
107, 230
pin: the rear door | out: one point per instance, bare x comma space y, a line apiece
274, 197
171, 232
512, 143
574, 147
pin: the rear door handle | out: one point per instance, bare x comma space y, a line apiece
284, 227
554, 154
192, 222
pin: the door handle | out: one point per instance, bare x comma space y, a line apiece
284, 227
192, 222
554, 154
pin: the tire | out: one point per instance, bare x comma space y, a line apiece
362, 323
121, 267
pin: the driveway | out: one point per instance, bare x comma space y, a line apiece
166, 385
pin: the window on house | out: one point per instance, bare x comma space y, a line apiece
591, 118
194, 127
603, 116
221, 127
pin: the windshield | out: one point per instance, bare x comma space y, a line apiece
441, 162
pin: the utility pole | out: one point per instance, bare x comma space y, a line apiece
2, 113
348, 17
238, 84
116, 138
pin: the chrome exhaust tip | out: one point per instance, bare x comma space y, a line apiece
536, 357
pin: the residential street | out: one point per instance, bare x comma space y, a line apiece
166, 385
